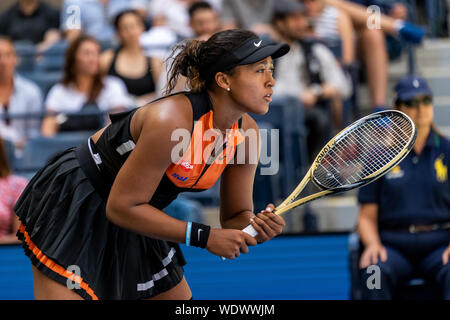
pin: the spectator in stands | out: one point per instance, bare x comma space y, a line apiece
334, 27
173, 14
203, 20
404, 219
31, 20
17, 96
390, 23
11, 187
309, 72
392, 9
83, 85
254, 15
117, 6
372, 43
129, 62
89, 17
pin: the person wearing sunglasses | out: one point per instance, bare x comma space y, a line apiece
404, 219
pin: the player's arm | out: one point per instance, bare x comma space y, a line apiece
137, 180
236, 190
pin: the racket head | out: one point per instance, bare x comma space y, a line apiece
364, 151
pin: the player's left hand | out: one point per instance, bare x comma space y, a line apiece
446, 255
267, 224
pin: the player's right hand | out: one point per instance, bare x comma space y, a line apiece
371, 254
229, 243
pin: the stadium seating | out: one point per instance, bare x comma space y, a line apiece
10, 153
52, 59
433, 11
26, 53
44, 80
41, 149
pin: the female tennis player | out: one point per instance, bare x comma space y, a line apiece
96, 209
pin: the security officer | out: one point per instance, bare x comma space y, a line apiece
404, 219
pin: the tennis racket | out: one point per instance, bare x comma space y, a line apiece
357, 156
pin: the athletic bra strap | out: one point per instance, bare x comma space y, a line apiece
112, 66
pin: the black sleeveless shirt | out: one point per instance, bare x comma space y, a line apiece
116, 143
135, 86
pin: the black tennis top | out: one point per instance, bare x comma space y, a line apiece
190, 172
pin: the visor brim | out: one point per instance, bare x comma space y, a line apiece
271, 50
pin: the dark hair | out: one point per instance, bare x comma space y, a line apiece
199, 6
122, 13
193, 58
7, 39
5, 169
69, 75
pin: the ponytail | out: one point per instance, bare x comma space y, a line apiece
194, 59
186, 63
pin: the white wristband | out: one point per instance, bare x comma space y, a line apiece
250, 230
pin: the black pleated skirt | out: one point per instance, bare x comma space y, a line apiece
66, 235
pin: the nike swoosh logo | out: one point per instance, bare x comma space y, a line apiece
257, 44
199, 230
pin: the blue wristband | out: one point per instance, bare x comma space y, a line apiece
188, 233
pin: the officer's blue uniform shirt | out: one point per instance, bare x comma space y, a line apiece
417, 191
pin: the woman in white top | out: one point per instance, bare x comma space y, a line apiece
18, 96
333, 25
82, 84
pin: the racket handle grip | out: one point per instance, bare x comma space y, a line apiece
249, 230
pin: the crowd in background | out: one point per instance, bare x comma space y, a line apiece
122, 61
134, 39
65, 69
105, 56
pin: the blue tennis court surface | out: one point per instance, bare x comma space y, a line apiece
291, 267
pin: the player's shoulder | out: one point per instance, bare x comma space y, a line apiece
172, 112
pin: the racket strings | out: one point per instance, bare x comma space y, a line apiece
381, 158
364, 150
